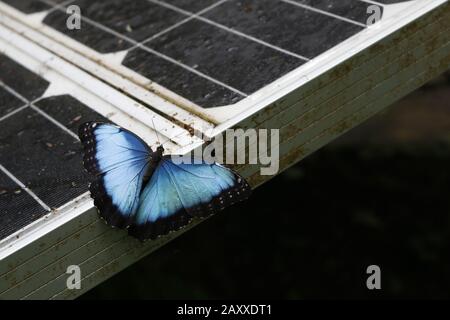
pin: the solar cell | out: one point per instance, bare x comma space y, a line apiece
68, 111
34, 152
8, 102
21, 81
17, 207
35, 149
188, 84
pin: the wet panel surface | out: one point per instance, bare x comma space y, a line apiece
8, 102
28, 84
28, 6
138, 19
231, 64
234, 60
42, 156
68, 111
187, 84
285, 25
351, 9
32, 6
17, 208
88, 35
227, 60
39, 154
191, 5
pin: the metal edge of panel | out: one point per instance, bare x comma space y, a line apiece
307, 123
441, 54
90, 61
327, 93
417, 75
363, 114
333, 78
273, 101
267, 95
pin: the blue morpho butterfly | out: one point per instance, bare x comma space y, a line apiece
146, 192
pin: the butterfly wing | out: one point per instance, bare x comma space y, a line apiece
120, 161
178, 192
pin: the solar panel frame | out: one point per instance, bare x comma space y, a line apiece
217, 117
118, 252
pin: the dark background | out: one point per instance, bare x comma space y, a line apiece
378, 195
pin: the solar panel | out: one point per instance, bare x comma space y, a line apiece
39, 145
226, 65
312, 69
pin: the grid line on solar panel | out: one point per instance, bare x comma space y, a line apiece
174, 134
223, 27
300, 30
25, 162
39, 109
63, 3
189, 18
8, 102
6, 116
154, 52
188, 88
353, 10
23, 187
195, 68
250, 37
370, 2
17, 96
168, 128
384, 2
28, 84
239, 62
11, 176
32, 105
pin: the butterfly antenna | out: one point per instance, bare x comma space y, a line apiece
157, 135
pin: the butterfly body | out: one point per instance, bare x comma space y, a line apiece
145, 191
